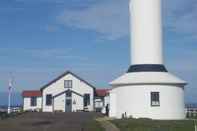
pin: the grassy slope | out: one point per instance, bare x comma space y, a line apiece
93, 126
153, 125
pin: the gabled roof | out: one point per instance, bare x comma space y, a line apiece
102, 92
64, 74
35, 93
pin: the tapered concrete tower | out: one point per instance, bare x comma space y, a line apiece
147, 90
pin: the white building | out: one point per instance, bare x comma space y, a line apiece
101, 100
66, 93
32, 100
147, 90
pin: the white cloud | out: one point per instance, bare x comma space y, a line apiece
110, 18
180, 16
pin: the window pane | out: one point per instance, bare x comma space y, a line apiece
68, 94
33, 101
155, 101
68, 102
68, 83
86, 99
49, 100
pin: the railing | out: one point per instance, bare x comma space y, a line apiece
191, 113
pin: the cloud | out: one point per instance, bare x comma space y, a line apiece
110, 18
180, 16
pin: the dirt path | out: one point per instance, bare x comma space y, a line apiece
107, 125
49, 122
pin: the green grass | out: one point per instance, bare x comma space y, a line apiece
94, 126
153, 125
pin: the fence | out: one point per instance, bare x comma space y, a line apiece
191, 112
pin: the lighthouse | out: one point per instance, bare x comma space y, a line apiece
147, 89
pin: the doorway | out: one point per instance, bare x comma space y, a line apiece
68, 103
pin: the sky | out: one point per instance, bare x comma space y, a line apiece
41, 39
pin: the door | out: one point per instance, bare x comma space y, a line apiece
68, 103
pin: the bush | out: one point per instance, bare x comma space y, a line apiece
3, 115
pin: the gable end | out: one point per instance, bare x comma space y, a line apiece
64, 74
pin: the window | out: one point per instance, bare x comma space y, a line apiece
33, 101
155, 101
86, 99
68, 102
68, 84
48, 99
68, 93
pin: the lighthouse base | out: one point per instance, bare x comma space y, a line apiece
154, 95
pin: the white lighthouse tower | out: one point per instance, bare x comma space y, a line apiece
147, 90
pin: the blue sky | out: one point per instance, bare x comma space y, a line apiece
40, 39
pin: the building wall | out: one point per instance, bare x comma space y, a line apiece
27, 104
78, 103
106, 100
135, 100
59, 103
113, 104
58, 87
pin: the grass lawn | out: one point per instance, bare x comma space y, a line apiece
153, 125
94, 126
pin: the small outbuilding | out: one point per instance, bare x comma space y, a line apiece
101, 100
32, 100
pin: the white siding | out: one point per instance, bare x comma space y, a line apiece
99, 103
78, 102
113, 104
59, 102
106, 100
27, 104
135, 100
